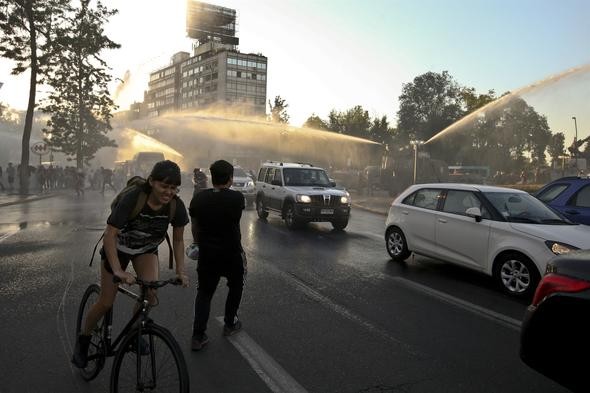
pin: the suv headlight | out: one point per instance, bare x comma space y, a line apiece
303, 198
560, 248
250, 184
344, 200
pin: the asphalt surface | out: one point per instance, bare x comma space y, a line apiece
323, 311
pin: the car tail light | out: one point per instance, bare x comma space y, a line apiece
552, 283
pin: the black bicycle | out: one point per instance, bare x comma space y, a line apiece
147, 357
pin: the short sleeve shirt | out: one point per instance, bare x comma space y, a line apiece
217, 214
145, 232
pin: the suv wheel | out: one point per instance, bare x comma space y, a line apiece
290, 219
260, 209
516, 274
340, 224
396, 244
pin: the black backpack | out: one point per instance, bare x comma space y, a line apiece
134, 183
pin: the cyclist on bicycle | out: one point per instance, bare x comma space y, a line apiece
136, 240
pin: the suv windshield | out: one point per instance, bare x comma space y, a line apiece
524, 208
301, 177
239, 172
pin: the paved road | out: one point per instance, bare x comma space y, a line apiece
323, 311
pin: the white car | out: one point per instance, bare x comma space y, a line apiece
245, 184
502, 232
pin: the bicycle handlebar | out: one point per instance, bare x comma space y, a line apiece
151, 284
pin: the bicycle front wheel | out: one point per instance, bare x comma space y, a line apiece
153, 364
96, 351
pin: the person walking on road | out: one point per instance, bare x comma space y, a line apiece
199, 181
1, 181
10, 172
215, 224
136, 240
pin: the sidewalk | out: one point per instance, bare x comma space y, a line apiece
13, 198
377, 203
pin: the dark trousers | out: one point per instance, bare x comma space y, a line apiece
210, 270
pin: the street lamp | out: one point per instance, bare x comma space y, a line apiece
576, 140
416, 143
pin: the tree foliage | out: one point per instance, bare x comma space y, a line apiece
80, 105
278, 110
354, 121
27, 36
556, 147
315, 122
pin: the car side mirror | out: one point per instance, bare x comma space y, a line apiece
474, 212
332, 183
276, 183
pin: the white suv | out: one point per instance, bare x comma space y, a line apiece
300, 193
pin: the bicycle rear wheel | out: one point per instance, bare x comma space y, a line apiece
96, 351
161, 367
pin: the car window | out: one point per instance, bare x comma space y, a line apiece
552, 192
304, 177
458, 201
262, 174
269, 175
582, 198
239, 172
277, 176
524, 208
426, 198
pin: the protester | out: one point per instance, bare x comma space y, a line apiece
136, 240
215, 215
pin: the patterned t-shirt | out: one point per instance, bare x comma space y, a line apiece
146, 231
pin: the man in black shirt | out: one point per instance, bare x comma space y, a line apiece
215, 215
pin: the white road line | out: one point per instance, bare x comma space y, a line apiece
273, 375
7, 235
481, 311
346, 313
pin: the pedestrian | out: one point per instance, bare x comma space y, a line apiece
79, 180
1, 181
10, 172
107, 179
215, 224
136, 240
199, 181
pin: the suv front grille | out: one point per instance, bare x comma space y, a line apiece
325, 200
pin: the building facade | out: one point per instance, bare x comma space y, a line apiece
216, 77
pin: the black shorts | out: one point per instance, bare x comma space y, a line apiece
124, 258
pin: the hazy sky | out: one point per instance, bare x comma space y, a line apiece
334, 54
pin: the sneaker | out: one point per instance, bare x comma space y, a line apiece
144, 347
229, 330
80, 357
198, 342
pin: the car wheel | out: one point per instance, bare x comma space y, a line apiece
262, 213
340, 224
516, 274
290, 219
396, 244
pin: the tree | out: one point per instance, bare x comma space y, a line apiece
278, 111
80, 105
380, 131
316, 122
429, 104
27, 37
355, 122
556, 147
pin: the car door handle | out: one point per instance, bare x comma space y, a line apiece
442, 220
572, 212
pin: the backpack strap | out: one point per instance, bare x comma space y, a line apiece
171, 214
139, 204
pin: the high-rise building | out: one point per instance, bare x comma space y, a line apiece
217, 76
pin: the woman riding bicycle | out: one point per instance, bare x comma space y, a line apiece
136, 239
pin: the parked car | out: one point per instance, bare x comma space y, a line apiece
502, 232
554, 334
570, 196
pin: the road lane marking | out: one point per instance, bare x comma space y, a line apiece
502, 319
273, 375
344, 312
7, 235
